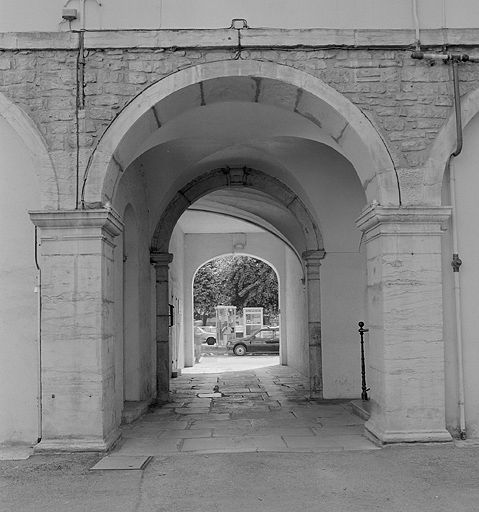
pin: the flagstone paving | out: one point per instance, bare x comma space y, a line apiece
229, 404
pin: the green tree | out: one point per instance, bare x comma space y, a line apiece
240, 281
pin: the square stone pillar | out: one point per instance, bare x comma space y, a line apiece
77, 329
406, 349
161, 262
312, 261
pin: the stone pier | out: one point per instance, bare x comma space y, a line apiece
406, 348
77, 338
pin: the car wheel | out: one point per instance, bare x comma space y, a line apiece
239, 350
210, 341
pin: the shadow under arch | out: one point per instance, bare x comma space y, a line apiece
443, 147
218, 179
350, 131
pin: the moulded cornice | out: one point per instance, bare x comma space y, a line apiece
160, 258
374, 215
250, 38
106, 219
313, 255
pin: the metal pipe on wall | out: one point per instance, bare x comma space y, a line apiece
416, 22
39, 341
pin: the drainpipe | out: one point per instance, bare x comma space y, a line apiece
416, 23
39, 343
456, 261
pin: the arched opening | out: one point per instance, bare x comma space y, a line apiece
294, 160
259, 198
236, 297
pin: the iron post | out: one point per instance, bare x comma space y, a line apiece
365, 389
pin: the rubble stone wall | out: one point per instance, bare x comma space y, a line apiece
407, 100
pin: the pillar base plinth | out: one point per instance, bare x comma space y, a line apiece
382, 436
87, 444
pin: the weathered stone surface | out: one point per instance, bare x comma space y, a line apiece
406, 346
395, 90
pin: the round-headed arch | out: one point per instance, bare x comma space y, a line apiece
262, 82
218, 179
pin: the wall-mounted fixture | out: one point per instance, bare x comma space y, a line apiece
239, 23
69, 14
239, 241
237, 176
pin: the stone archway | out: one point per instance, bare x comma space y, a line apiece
220, 178
160, 258
348, 129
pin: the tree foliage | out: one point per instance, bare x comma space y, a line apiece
239, 281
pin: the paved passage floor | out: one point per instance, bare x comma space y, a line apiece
229, 404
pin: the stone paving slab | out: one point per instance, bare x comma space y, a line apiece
200, 424
235, 444
166, 425
263, 431
148, 447
266, 422
263, 410
15, 452
187, 434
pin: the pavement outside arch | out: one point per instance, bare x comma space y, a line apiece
416, 478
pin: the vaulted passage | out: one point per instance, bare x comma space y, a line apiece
203, 158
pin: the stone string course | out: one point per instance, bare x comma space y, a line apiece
407, 100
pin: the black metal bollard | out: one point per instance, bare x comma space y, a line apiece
365, 389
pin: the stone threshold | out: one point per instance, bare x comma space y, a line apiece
361, 408
133, 410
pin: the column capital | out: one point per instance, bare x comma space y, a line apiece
104, 218
313, 255
160, 259
375, 215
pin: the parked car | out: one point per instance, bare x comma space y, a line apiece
211, 330
265, 340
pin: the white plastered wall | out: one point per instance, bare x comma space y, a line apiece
24, 15
467, 185
343, 305
295, 316
19, 193
177, 299
131, 193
